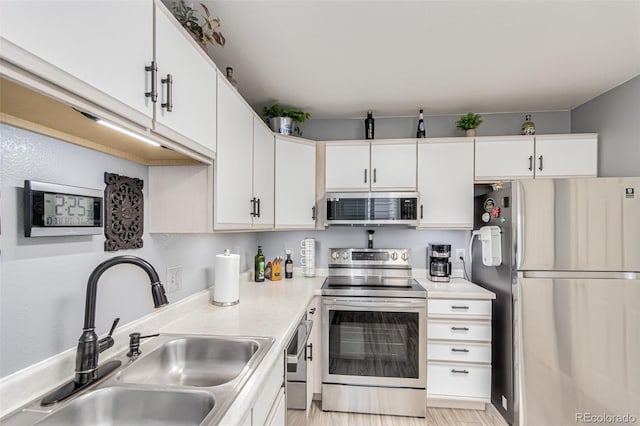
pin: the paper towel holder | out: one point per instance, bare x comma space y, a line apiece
227, 252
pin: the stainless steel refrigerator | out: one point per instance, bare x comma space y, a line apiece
566, 320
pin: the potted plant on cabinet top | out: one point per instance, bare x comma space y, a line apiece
282, 120
469, 123
201, 33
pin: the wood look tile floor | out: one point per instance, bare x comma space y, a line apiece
435, 417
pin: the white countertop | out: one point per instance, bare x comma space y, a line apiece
268, 309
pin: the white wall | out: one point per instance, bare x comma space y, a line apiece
43, 280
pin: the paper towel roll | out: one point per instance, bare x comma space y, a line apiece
226, 288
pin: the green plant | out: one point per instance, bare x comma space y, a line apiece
205, 33
469, 121
276, 110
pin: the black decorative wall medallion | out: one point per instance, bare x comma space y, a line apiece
123, 212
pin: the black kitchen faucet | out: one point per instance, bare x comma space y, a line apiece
87, 369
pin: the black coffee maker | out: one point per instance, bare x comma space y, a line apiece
438, 260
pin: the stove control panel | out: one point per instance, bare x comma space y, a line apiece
367, 257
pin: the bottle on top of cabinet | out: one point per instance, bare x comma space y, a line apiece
422, 132
368, 125
528, 127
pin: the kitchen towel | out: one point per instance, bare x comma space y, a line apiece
226, 286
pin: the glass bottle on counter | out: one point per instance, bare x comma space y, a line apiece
259, 266
288, 266
421, 133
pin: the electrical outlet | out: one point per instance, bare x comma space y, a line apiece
504, 403
459, 254
174, 279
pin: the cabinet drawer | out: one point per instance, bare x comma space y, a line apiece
469, 381
460, 352
455, 308
479, 331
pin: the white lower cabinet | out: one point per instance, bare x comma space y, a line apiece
270, 408
314, 368
458, 353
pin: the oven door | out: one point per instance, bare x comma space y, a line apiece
374, 341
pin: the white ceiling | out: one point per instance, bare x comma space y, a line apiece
337, 59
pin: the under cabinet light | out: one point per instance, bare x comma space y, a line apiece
118, 128
126, 132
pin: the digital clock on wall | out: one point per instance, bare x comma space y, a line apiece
61, 210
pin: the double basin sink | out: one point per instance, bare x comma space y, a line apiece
178, 380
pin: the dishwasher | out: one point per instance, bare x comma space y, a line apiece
298, 352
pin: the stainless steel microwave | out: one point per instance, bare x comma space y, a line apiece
372, 208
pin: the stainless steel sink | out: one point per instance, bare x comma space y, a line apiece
126, 406
192, 361
178, 380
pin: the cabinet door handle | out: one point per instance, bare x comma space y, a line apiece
459, 350
365, 175
153, 94
531, 162
453, 370
312, 311
460, 328
253, 207
540, 159
310, 356
313, 212
421, 211
169, 82
258, 214
459, 307
375, 175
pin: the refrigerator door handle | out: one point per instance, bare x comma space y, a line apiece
520, 237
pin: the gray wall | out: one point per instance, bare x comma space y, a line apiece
437, 126
275, 243
43, 280
615, 116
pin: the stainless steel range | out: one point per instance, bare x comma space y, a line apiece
374, 334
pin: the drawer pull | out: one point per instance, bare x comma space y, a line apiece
453, 370
459, 307
460, 328
459, 350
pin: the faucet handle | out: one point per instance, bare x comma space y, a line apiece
106, 342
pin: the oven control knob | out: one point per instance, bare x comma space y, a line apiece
345, 255
405, 256
335, 255
394, 256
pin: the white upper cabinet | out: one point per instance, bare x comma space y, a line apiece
386, 165
347, 166
515, 157
234, 161
566, 155
263, 174
504, 157
99, 48
445, 183
393, 165
186, 84
295, 183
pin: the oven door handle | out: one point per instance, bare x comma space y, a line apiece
377, 304
302, 344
